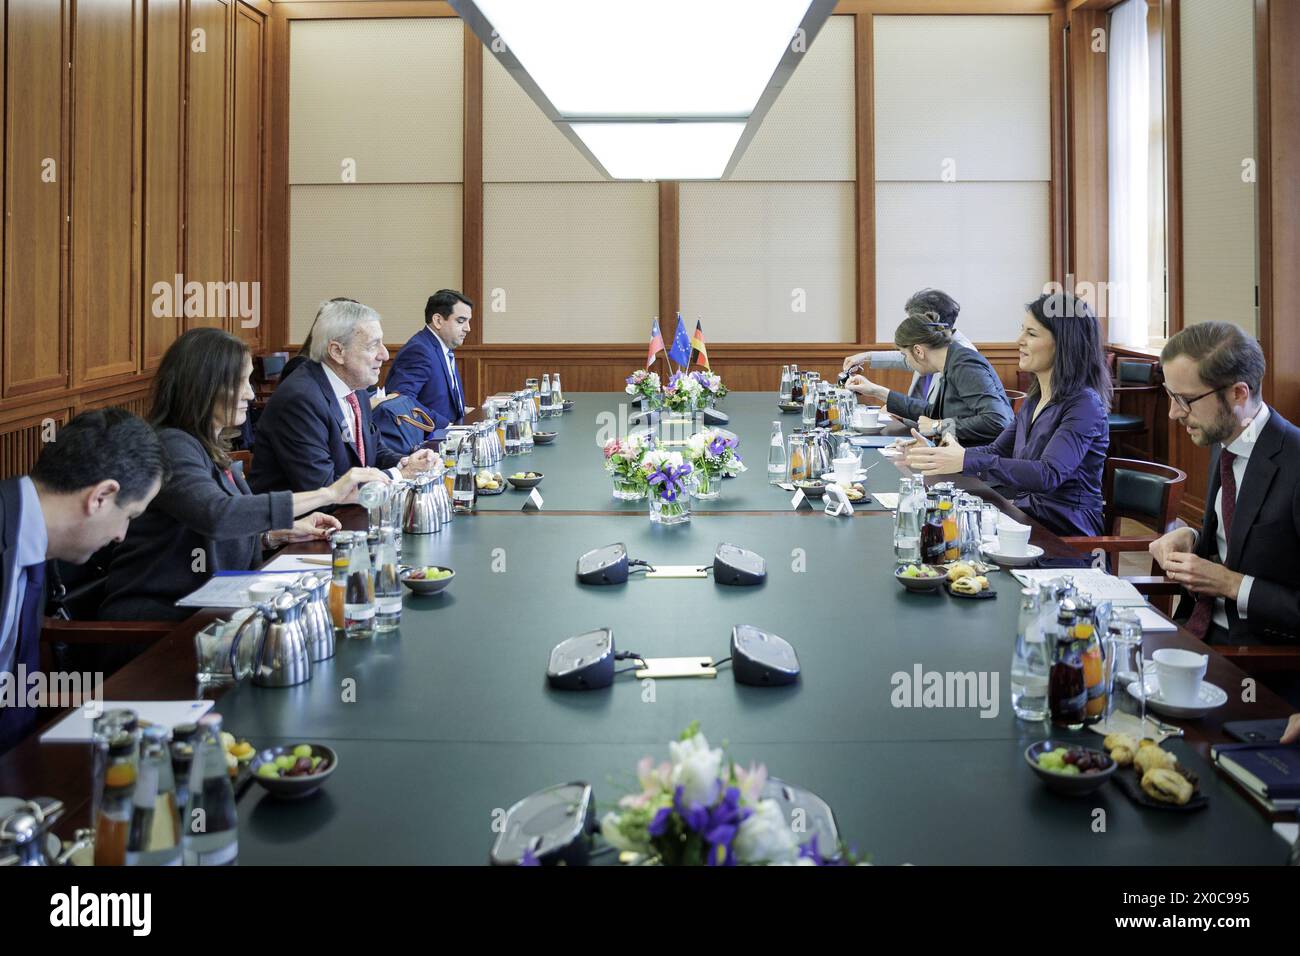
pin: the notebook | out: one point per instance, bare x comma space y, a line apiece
1270, 772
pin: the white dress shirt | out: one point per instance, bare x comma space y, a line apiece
33, 540
448, 362
1241, 446
341, 393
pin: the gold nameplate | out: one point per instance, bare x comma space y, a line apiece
678, 571
656, 667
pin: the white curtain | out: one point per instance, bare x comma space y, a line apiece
1128, 148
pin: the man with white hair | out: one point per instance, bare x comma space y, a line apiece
317, 423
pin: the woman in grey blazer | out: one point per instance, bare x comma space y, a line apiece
205, 519
970, 392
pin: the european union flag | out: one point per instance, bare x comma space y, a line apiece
681, 350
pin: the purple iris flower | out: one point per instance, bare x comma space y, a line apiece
724, 820
528, 859
659, 825
671, 480
719, 445
694, 815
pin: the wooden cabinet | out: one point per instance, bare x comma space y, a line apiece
207, 179
105, 193
163, 239
35, 176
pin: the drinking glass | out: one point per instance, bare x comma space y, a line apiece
1124, 664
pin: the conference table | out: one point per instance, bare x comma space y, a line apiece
453, 721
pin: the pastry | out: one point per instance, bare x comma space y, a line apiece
1126, 741
966, 585
1167, 786
1153, 758
1123, 756
960, 570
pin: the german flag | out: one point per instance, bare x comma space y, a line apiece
699, 353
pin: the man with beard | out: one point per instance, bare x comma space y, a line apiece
1239, 569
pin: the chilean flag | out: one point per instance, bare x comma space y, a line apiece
656, 343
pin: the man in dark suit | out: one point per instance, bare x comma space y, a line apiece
425, 367
102, 470
1240, 567
317, 424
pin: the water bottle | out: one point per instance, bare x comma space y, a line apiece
359, 591
464, 493
211, 831
907, 525
809, 406
776, 465
557, 395
785, 383
512, 429
154, 838
546, 396
388, 587
1031, 663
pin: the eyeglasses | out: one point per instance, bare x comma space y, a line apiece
1186, 403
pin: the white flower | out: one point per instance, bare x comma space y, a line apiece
614, 836
695, 768
766, 837
631, 389
697, 443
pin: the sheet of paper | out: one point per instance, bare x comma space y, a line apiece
888, 499
1098, 585
230, 590
872, 441
298, 562
78, 727
1152, 620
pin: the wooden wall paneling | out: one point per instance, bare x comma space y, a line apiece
1173, 167
865, 173
670, 260
1279, 203
21, 441
1087, 195
163, 181
207, 211
246, 216
471, 197
105, 189
1056, 93
275, 299
35, 198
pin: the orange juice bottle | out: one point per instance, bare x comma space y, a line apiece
797, 470
952, 549
1085, 632
340, 544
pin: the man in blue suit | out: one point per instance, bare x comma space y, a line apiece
317, 424
102, 470
425, 368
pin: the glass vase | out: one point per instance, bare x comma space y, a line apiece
626, 489
706, 486
677, 511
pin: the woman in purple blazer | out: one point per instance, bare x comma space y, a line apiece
1049, 460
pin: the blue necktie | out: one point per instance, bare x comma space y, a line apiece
455, 385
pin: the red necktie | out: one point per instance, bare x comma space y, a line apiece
1203, 613
356, 427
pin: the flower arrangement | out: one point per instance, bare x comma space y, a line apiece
623, 457
711, 385
698, 808
667, 477
645, 385
683, 393
713, 456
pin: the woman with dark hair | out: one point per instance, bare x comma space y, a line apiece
1051, 457
205, 519
969, 393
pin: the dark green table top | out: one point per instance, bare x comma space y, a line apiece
574, 464
453, 718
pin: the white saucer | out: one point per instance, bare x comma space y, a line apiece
1207, 700
1032, 553
868, 429
830, 477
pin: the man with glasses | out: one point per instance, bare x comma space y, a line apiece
425, 367
1240, 568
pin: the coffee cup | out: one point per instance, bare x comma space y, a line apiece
845, 468
1013, 537
1180, 674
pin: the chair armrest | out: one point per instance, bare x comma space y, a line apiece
57, 630
1135, 388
